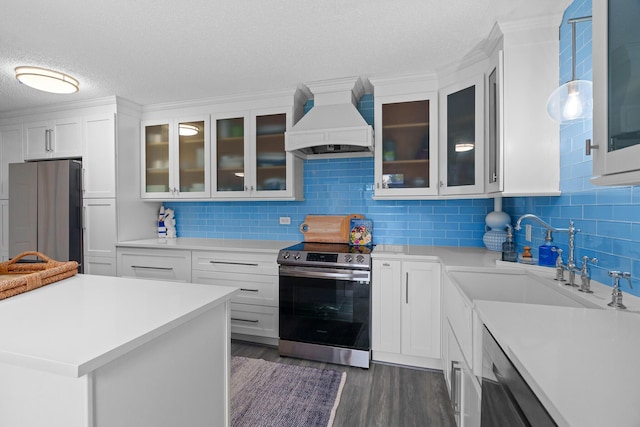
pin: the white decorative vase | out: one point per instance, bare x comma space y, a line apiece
497, 222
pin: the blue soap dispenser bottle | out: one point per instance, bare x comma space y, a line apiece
546, 253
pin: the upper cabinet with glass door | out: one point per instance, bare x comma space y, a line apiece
175, 159
406, 146
616, 93
462, 137
250, 159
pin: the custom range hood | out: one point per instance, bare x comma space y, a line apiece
333, 127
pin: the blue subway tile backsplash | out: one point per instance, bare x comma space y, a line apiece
608, 218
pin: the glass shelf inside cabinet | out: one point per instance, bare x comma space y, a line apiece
192, 161
157, 158
405, 144
230, 154
271, 160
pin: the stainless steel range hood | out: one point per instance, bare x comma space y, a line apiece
333, 127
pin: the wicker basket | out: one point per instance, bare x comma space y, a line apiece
16, 278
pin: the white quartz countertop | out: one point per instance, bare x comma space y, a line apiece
188, 243
74, 326
449, 255
581, 363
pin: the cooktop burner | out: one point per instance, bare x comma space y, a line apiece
326, 255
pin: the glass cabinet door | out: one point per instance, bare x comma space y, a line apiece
405, 145
157, 158
230, 154
463, 163
192, 156
270, 158
624, 73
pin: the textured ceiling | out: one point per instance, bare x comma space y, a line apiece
155, 51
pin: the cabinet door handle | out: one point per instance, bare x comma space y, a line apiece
244, 320
406, 288
152, 268
455, 386
386, 264
249, 290
248, 264
588, 147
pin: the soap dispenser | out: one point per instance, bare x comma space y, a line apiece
546, 255
509, 248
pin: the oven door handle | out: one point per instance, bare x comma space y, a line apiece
325, 273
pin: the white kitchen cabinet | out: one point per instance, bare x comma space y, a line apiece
406, 149
429, 136
52, 139
249, 157
458, 356
99, 156
406, 312
99, 227
528, 140
616, 97
158, 264
10, 152
462, 137
464, 389
100, 266
175, 159
254, 311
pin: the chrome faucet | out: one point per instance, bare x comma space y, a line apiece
571, 266
585, 274
616, 295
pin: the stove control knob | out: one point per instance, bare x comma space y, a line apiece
286, 255
348, 258
360, 259
296, 256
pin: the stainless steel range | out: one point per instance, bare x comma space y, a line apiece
325, 303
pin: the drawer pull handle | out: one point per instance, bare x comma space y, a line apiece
249, 290
234, 263
153, 268
244, 320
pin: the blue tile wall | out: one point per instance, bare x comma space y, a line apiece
608, 217
339, 187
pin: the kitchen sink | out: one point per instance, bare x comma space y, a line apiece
509, 285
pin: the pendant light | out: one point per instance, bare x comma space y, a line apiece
47, 80
574, 99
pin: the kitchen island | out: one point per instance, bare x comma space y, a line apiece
104, 351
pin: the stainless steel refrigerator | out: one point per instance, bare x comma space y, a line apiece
45, 209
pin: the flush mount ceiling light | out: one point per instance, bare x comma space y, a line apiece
574, 99
47, 80
187, 130
462, 147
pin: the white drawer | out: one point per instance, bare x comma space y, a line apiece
459, 314
236, 262
254, 288
159, 264
254, 320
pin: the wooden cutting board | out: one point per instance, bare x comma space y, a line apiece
327, 228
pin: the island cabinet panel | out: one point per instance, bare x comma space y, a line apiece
179, 379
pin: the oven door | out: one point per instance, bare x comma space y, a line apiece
507, 400
325, 306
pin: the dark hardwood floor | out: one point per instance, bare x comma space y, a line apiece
383, 395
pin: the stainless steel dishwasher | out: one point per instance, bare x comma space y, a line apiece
507, 400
